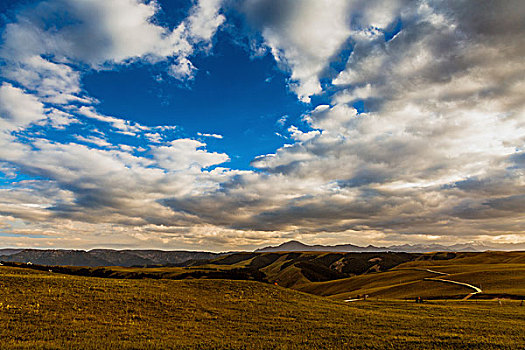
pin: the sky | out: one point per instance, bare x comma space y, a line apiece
235, 124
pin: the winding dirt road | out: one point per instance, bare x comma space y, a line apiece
477, 290
436, 272
437, 279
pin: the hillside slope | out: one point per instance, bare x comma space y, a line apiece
348, 275
292, 269
48, 310
498, 274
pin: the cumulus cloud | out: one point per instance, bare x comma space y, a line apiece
299, 135
76, 183
443, 109
59, 119
111, 185
99, 141
185, 153
307, 36
302, 35
437, 151
54, 82
204, 19
420, 137
17, 108
100, 34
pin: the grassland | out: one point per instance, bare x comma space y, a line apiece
40, 309
498, 274
347, 275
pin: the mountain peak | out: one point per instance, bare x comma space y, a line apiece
291, 246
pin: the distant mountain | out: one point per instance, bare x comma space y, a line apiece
295, 246
110, 257
103, 257
422, 248
9, 251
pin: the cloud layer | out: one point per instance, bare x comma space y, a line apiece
420, 136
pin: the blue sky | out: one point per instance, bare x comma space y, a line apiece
219, 124
245, 98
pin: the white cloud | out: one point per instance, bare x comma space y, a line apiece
306, 36
281, 121
80, 185
437, 156
298, 135
183, 69
215, 136
114, 186
100, 34
184, 154
54, 82
94, 140
8, 170
204, 19
59, 119
440, 134
302, 35
153, 137
17, 108
121, 125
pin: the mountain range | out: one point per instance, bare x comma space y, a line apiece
103, 257
111, 257
296, 246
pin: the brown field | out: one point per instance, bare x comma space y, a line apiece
47, 310
155, 309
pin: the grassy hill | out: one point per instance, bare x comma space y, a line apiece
289, 269
498, 274
293, 269
383, 275
387, 275
40, 309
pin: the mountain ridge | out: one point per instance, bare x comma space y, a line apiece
296, 246
103, 257
153, 257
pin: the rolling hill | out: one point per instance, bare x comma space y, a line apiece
498, 274
380, 275
43, 310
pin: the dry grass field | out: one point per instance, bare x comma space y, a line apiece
45, 310
499, 275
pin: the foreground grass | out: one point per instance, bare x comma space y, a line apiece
46, 310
